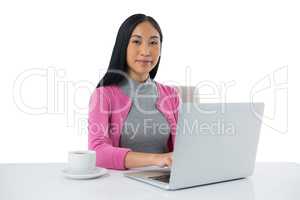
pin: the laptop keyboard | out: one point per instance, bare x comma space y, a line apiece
163, 178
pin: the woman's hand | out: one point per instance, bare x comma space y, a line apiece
162, 160
139, 159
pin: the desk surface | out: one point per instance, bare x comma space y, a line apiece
44, 181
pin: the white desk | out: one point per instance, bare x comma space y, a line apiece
271, 181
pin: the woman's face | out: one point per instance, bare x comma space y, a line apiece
143, 51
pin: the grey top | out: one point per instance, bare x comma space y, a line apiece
145, 129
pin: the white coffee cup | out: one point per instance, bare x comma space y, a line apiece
82, 161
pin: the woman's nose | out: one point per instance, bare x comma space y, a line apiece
145, 50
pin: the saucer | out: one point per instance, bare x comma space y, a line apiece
97, 172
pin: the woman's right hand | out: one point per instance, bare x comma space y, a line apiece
163, 160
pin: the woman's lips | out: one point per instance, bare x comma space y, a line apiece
144, 61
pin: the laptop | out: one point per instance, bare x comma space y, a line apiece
215, 142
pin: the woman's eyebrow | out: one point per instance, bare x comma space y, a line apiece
136, 36
153, 36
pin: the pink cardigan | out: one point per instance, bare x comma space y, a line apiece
108, 110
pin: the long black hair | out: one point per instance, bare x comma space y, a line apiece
118, 67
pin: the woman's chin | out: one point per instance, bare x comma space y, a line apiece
144, 69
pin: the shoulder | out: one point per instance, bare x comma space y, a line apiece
106, 91
167, 89
169, 92
102, 93
112, 94
171, 95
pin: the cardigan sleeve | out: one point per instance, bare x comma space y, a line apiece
99, 139
175, 102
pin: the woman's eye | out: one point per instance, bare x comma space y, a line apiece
136, 41
139, 42
154, 42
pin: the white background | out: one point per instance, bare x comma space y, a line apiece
53, 53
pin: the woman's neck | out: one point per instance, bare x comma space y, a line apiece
138, 78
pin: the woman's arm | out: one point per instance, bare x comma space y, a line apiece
99, 140
138, 159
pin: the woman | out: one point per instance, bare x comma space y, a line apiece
132, 118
